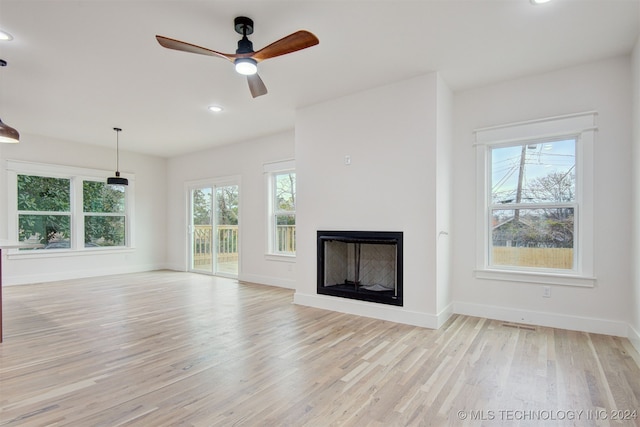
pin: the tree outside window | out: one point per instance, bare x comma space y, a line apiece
201, 206
227, 205
284, 212
44, 210
104, 214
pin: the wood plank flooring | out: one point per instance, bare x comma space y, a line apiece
168, 349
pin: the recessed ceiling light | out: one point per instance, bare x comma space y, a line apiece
215, 108
536, 2
5, 37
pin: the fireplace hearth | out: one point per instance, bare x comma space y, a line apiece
363, 265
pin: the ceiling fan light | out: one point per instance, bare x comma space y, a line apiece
246, 66
8, 134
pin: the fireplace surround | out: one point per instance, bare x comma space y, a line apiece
363, 265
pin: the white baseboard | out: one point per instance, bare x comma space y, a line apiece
266, 280
368, 309
174, 267
252, 278
401, 315
445, 314
43, 277
634, 337
553, 320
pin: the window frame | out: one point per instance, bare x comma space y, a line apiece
271, 170
77, 176
582, 128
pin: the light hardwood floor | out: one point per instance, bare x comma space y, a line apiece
168, 349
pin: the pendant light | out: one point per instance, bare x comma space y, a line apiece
117, 180
7, 133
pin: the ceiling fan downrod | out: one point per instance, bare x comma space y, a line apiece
244, 27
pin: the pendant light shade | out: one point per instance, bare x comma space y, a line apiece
117, 180
8, 134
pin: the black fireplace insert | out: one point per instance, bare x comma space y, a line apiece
363, 265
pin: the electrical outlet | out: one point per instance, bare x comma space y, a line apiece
546, 291
347, 160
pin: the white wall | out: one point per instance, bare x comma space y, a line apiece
391, 135
605, 87
150, 202
634, 300
246, 160
444, 190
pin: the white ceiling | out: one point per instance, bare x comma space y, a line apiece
77, 68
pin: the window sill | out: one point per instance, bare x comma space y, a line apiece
54, 253
535, 277
280, 257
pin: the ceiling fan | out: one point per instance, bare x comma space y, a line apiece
246, 59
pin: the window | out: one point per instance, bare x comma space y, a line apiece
532, 207
67, 208
536, 196
44, 210
104, 214
282, 208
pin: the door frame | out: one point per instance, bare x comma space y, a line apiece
214, 183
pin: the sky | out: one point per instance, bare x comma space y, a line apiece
541, 159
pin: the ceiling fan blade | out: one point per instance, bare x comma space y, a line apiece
192, 48
293, 42
256, 85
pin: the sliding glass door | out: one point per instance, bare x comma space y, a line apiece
214, 229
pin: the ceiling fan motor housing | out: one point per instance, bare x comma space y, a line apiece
243, 25
244, 46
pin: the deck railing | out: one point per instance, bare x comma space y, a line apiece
227, 242
286, 238
203, 244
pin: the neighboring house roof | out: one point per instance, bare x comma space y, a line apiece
524, 221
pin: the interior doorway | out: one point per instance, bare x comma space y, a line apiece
214, 229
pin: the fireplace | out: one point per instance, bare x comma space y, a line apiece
363, 265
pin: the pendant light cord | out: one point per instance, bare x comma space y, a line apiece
117, 150
117, 180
